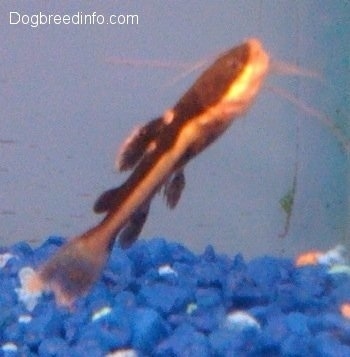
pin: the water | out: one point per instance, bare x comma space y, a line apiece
65, 109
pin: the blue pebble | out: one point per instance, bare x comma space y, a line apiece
225, 342
209, 254
99, 296
86, 348
208, 297
147, 330
207, 319
125, 300
267, 271
47, 249
72, 325
240, 292
327, 345
47, 324
54, 241
276, 326
185, 275
22, 249
13, 266
159, 252
310, 288
185, 341
181, 254
119, 271
298, 323
104, 336
332, 323
297, 308
8, 297
341, 283
164, 298
139, 255
238, 263
54, 346
12, 331
208, 274
296, 345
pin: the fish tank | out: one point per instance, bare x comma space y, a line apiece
253, 259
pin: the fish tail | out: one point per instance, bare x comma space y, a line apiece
76, 266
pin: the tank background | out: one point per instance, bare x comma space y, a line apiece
66, 105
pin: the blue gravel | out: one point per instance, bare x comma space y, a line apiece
160, 299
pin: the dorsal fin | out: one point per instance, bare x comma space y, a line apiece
138, 143
134, 226
173, 188
107, 200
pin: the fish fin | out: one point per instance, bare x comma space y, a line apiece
76, 265
133, 228
173, 188
107, 200
138, 143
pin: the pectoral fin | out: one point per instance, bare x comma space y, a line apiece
107, 200
173, 188
138, 143
134, 226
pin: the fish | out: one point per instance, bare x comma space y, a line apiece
157, 153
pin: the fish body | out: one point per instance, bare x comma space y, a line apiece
158, 153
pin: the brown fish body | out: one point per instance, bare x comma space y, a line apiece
158, 153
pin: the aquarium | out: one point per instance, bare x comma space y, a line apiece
253, 259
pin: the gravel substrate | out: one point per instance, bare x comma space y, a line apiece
160, 299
